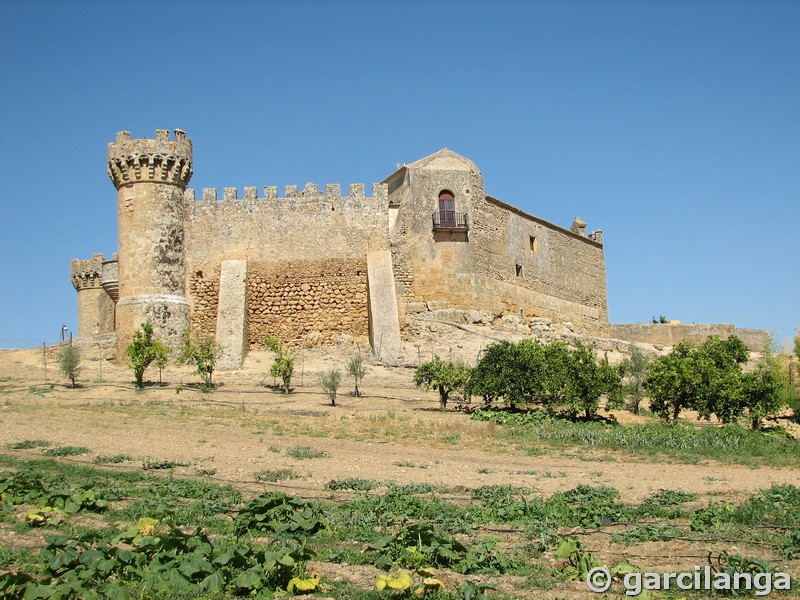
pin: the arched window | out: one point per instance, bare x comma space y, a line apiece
447, 209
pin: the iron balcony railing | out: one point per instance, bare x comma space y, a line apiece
448, 219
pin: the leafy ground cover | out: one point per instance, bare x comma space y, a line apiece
152, 535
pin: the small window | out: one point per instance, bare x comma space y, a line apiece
518, 269
533, 243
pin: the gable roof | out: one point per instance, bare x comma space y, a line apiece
443, 160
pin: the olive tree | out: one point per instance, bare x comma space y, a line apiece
329, 381
355, 369
69, 363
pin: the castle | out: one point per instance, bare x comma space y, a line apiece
314, 265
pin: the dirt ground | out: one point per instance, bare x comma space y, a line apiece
244, 431
394, 432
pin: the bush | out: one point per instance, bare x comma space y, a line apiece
145, 349
329, 382
69, 363
202, 353
445, 377
283, 365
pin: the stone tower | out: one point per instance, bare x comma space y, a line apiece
151, 177
95, 306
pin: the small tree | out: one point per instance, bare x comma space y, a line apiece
329, 382
202, 353
356, 370
283, 364
635, 372
587, 380
69, 363
445, 377
706, 378
146, 348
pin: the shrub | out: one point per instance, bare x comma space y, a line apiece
145, 349
445, 377
283, 364
565, 380
202, 353
69, 363
329, 382
355, 369
708, 378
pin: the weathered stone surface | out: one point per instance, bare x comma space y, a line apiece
232, 313
384, 321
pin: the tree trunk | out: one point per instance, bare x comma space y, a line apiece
443, 394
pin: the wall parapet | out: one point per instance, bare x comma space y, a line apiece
331, 192
669, 334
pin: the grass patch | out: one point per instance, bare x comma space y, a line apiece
28, 444
113, 459
40, 391
681, 442
155, 464
272, 475
411, 465
67, 451
352, 483
305, 452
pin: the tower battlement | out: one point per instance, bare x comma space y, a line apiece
156, 161
331, 192
87, 274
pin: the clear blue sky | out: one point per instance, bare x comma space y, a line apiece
673, 126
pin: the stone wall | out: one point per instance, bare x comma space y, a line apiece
307, 302
95, 307
669, 334
203, 300
540, 269
302, 225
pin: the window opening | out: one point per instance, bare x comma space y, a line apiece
447, 209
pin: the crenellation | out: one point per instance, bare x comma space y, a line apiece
311, 191
380, 191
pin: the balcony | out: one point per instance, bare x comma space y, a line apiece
448, 220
